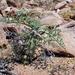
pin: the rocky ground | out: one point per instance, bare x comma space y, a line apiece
59, 13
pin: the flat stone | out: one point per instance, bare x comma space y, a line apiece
60, 5
68, 36
52, 20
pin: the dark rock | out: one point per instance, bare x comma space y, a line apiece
4, 69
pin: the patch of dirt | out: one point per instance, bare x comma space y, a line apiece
55, 66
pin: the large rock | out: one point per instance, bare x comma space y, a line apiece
60, 5
3, 4
52, 20
68, 35
73, 0
5, 48
10, 11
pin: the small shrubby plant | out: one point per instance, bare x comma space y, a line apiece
33, 35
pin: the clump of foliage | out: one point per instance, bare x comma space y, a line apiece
24, 46
33, 35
